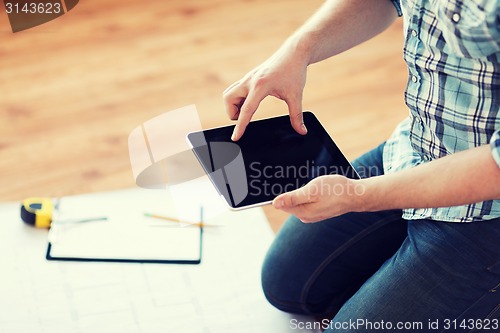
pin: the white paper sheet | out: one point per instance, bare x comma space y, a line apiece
126, 234
221, 295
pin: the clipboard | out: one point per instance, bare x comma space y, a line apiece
126, 235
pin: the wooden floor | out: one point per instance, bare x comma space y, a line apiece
71, 90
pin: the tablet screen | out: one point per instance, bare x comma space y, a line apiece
270, 159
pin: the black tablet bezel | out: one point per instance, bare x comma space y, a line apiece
200, 138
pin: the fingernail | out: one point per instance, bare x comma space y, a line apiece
233, 137
304, 128
278, 203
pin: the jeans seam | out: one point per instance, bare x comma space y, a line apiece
336, 253
275, 300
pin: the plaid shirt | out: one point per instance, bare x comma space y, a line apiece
452, 49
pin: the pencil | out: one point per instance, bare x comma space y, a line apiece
171, 219
167, 218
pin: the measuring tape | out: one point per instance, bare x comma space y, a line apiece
37, 212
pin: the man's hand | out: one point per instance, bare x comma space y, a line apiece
458, 179
337, 26
282, 76
321, 198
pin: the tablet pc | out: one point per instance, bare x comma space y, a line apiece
270, 159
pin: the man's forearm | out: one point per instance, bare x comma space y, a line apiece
462, 178
339, 25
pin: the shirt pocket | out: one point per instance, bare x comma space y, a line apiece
470, 29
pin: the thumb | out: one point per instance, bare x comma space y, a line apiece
295, 111
293, 198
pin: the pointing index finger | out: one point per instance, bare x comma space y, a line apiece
247, 110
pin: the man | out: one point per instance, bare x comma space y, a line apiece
418, 241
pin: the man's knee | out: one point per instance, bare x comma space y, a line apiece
274, 284
279, 282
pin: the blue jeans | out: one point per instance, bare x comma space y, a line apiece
375, 272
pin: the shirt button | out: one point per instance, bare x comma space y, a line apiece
414, 79
455, 17
414, 33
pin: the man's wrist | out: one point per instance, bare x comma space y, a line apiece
300, 48
367, 195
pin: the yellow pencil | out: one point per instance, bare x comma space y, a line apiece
171, 219
167, 218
